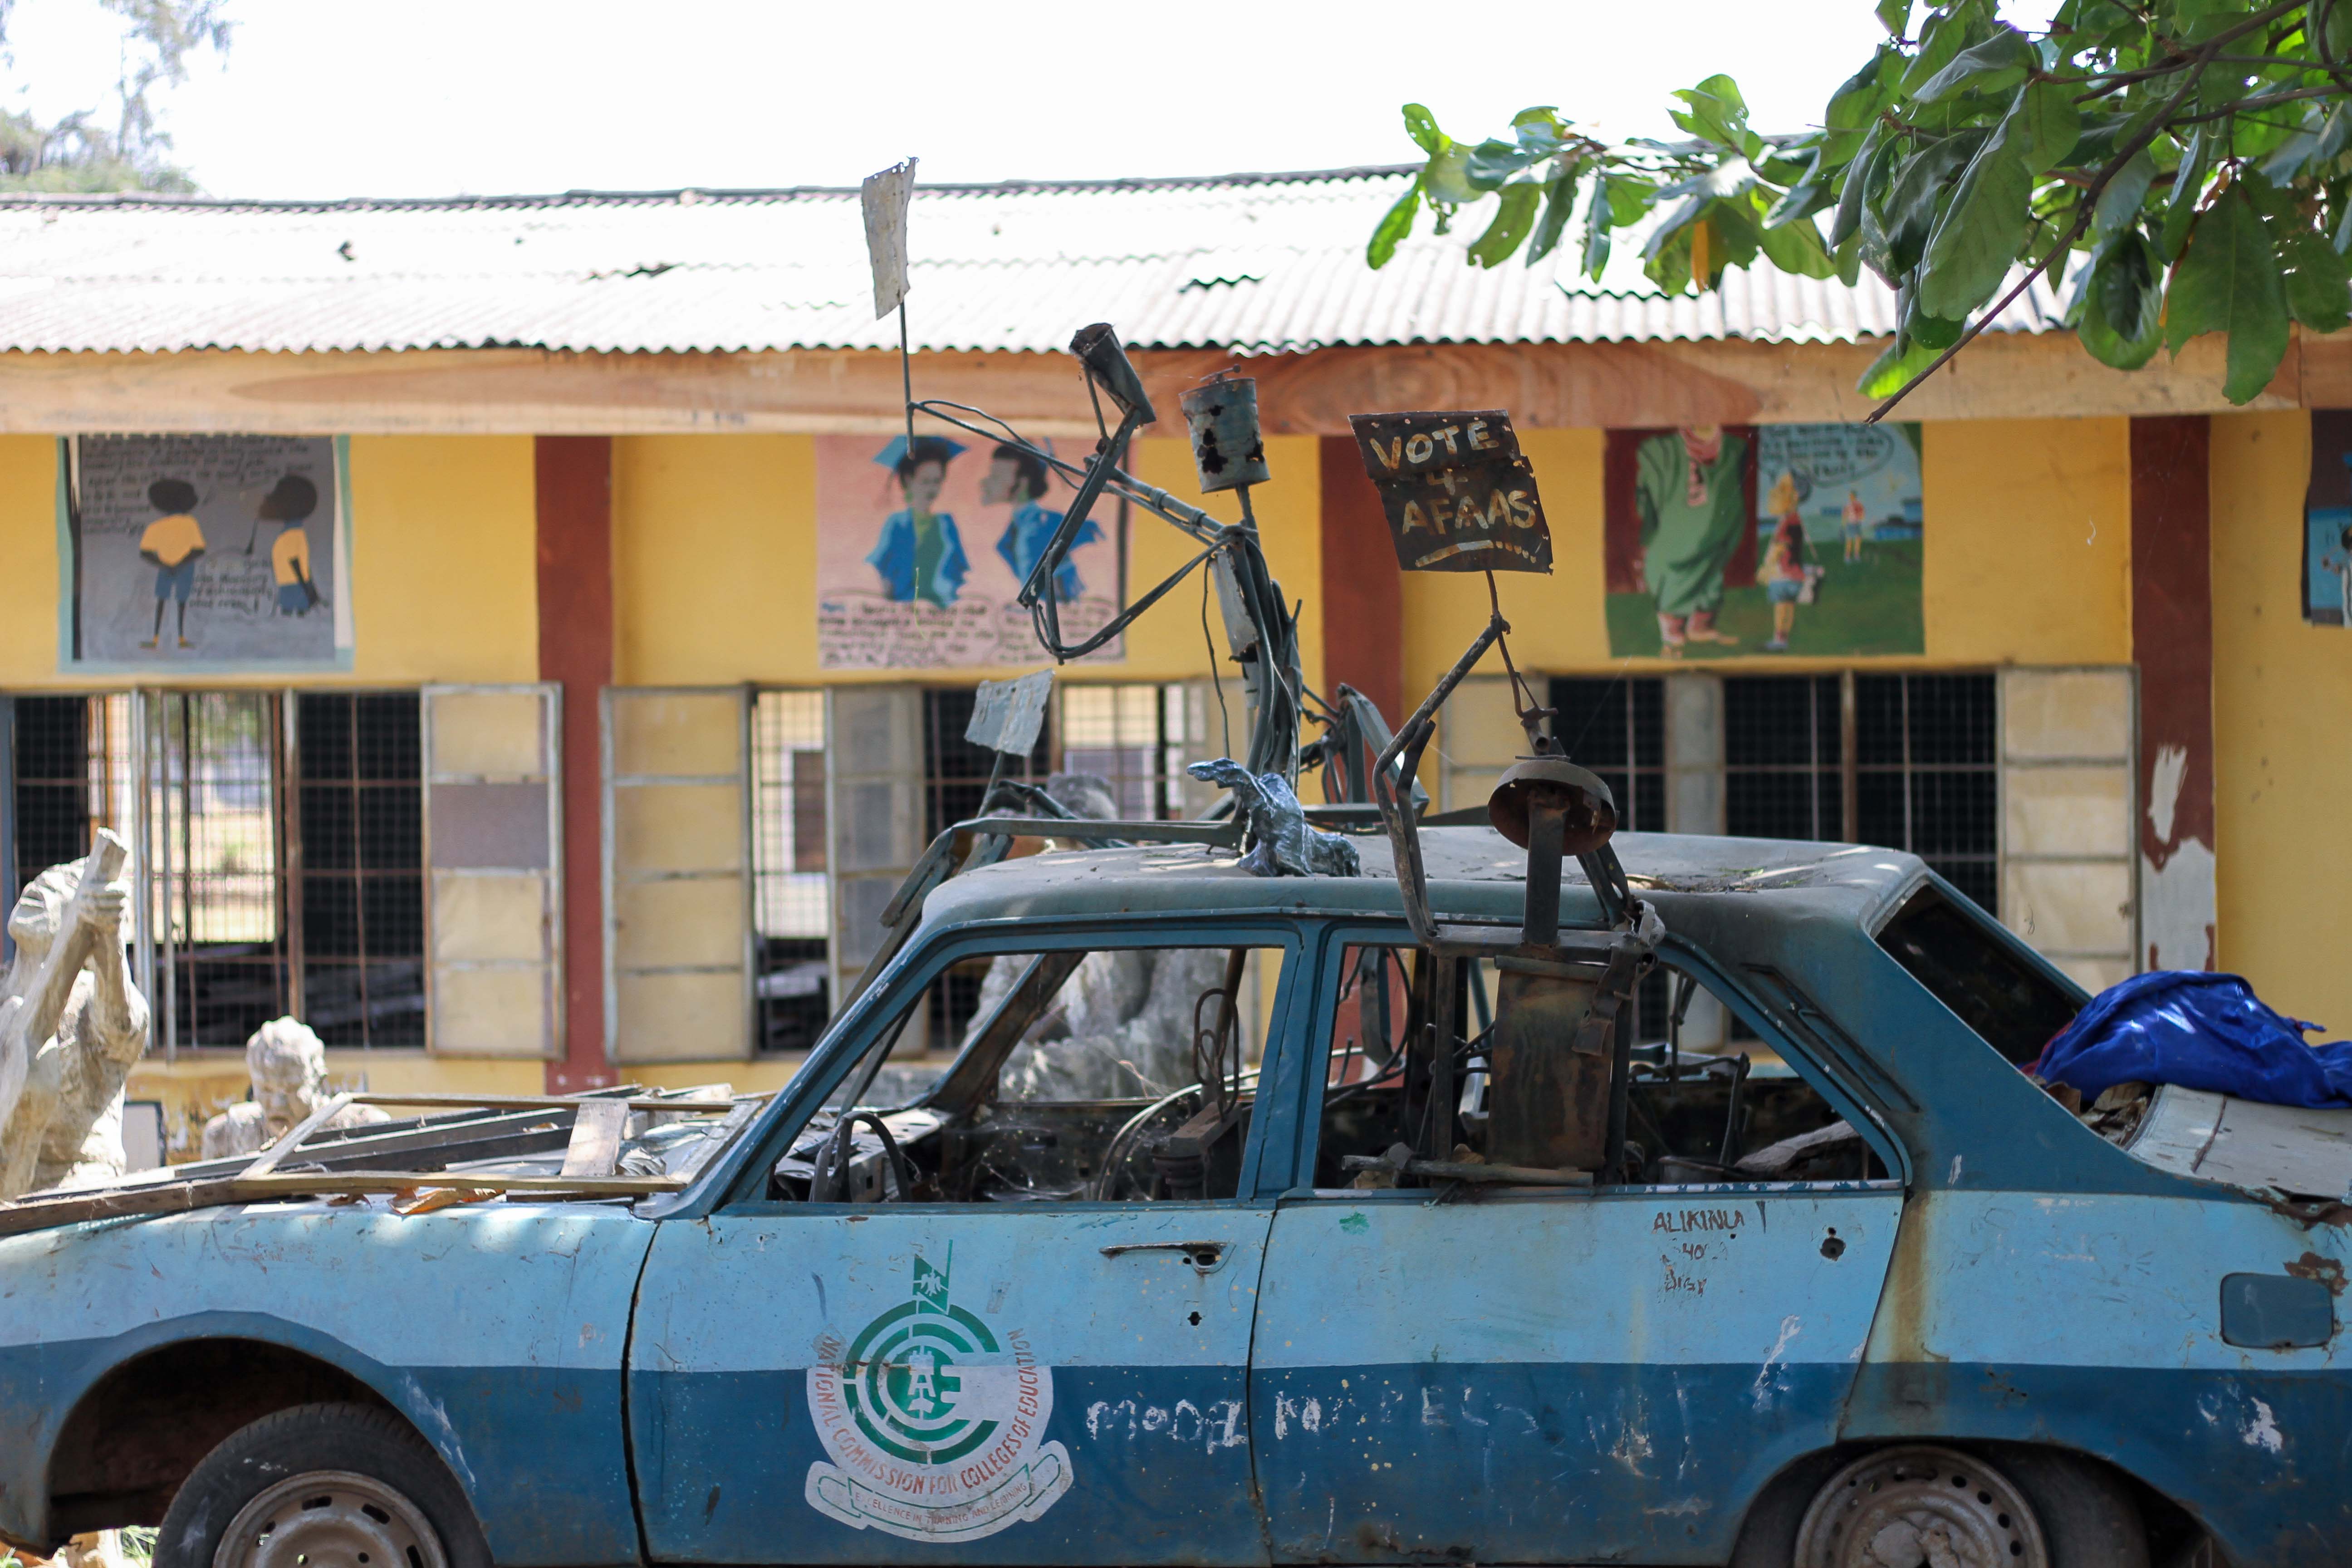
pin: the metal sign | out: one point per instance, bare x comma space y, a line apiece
1458, 494
1007, 714
885, 197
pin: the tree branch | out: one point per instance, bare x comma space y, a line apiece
2087, 209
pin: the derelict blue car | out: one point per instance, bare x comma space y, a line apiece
1195, 1255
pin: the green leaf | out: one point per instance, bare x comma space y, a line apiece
1422, 126
2228, 281
1891, 370
2119, 203
1944, 36
2188, 181
1494, 163
1718, 113
1394, 225
1513, 218
2119, 304
2319, 288
2048, 125
1800, 201
1893, 15
1559, 205
1860, 175
1596, 225
1995, 65
1540, 130
1446, 179
1629, 200
1796, 247
1918, 326
1977, 239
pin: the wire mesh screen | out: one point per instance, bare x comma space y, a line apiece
1783, 769
955, 781
71, 771
218, 861
1618, 730
956, 772
1925, 775
358, 837
788, 863
1135, 737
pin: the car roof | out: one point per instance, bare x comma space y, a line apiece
1474, 874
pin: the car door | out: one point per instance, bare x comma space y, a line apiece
1540, 1376
1032, 1376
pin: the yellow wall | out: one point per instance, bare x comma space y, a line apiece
444, 570
2028, 558
2282, 712
715, 562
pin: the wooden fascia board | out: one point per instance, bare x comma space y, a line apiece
1545, 386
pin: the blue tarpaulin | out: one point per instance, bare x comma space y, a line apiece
2199, 1031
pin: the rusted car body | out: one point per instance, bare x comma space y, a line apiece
999, 1334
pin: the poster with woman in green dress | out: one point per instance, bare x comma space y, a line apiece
1771, 540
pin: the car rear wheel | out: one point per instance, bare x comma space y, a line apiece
1920, 1508
321, 1486
1925, 1506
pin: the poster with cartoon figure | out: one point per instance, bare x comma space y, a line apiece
1782, 539
923, 547
2327, 521
204, 553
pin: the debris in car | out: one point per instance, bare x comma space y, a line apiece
2200, 1031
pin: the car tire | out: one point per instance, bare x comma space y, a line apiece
347, 1482
2037, 1508
2088, 1514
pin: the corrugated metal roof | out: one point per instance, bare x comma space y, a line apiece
1251, 263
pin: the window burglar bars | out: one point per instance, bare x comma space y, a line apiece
282, 845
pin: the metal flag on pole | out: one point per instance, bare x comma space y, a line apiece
885, 197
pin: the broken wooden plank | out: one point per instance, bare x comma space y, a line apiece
595, 1146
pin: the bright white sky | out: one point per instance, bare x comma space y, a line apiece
336, 98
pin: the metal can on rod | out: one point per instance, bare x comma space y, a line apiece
1221, 415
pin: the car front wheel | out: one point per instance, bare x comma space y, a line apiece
321, 1486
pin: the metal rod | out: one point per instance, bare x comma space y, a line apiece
1546, 831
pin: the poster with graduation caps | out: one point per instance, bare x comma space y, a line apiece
922, 549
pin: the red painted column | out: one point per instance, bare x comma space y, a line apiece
2172, 641
1363, 592
575, 649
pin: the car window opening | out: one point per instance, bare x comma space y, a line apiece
1530, 1108
2009, 1001
1121, 1075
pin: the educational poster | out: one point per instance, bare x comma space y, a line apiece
922, 550
205, 553
2327, 521
1731, 541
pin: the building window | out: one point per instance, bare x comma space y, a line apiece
955, 771
1905, 761
71, 772
1136, 737
1925, 775
282, 867
792, 908
1617, 729
1784, 757
361, 894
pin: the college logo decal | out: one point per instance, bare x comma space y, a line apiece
933, 1422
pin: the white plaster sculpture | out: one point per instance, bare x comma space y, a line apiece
1122, 1025
71, 1025
287, 1066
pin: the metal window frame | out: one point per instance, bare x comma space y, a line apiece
824, 694
742, 780
2129, 761
551, 704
